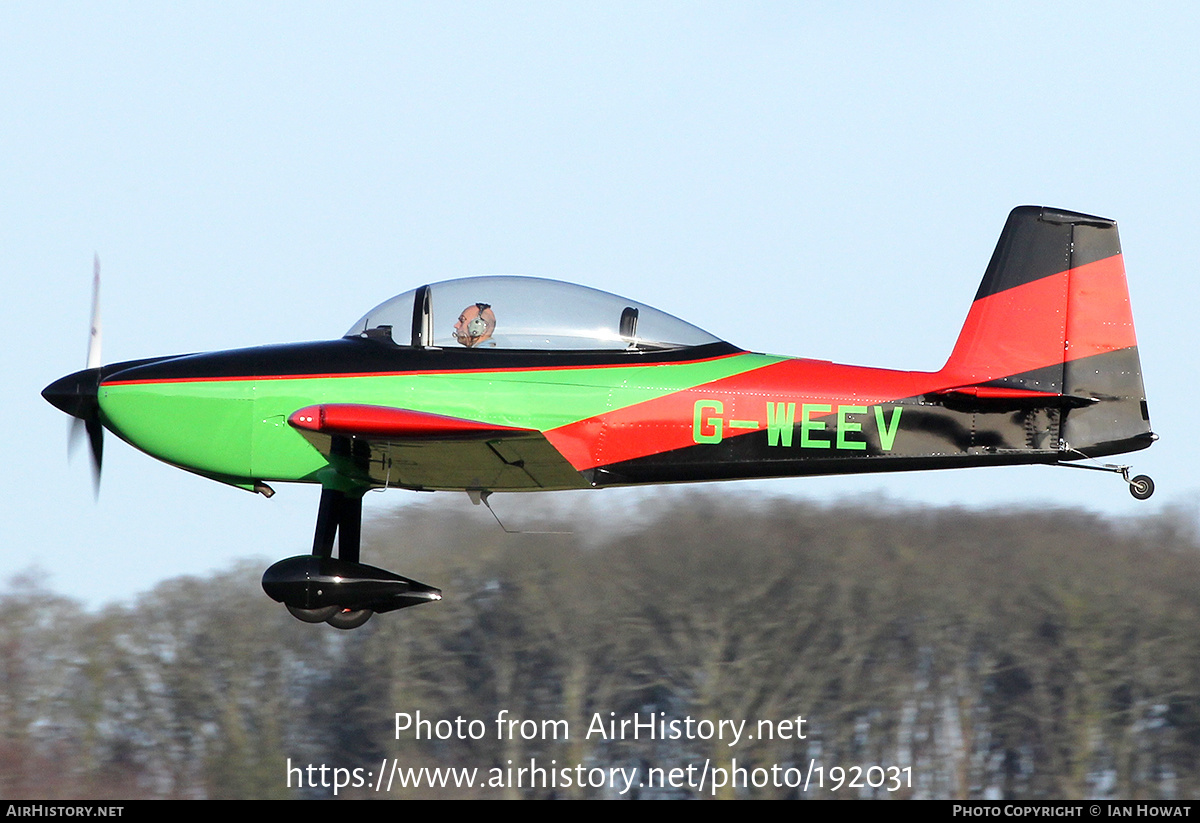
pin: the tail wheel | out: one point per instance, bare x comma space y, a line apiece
1141, 487
348, 619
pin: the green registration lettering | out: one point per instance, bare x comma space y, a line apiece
844, 426
781, 417
710, 429
887, 432
807, 426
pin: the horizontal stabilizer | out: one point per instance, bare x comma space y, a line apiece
997, 397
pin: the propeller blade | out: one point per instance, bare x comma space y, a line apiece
93, 353
95, 430
74, 435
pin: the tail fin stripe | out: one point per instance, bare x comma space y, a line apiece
1099, 318
1030, 326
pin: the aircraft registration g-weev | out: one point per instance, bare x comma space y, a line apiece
492, 384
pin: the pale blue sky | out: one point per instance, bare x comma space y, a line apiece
814, 179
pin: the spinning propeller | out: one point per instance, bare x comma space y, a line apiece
77, 394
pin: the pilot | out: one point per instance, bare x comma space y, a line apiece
475, 324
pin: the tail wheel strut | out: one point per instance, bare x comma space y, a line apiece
1140, 486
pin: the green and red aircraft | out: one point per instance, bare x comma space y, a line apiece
522, 384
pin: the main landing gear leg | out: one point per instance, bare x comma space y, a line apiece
342, 592
340, 514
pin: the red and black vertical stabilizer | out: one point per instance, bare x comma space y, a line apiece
1052, 320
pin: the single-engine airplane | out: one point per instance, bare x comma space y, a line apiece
493, 384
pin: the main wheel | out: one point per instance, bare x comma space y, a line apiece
347, 619
320, 615
1141, 487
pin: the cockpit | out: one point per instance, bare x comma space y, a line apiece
523, 313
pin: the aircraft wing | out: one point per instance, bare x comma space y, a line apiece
420, 450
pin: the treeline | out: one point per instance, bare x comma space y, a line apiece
1014, 654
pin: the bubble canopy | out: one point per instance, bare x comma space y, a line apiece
524, 313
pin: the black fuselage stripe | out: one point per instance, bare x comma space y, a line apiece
350, 356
